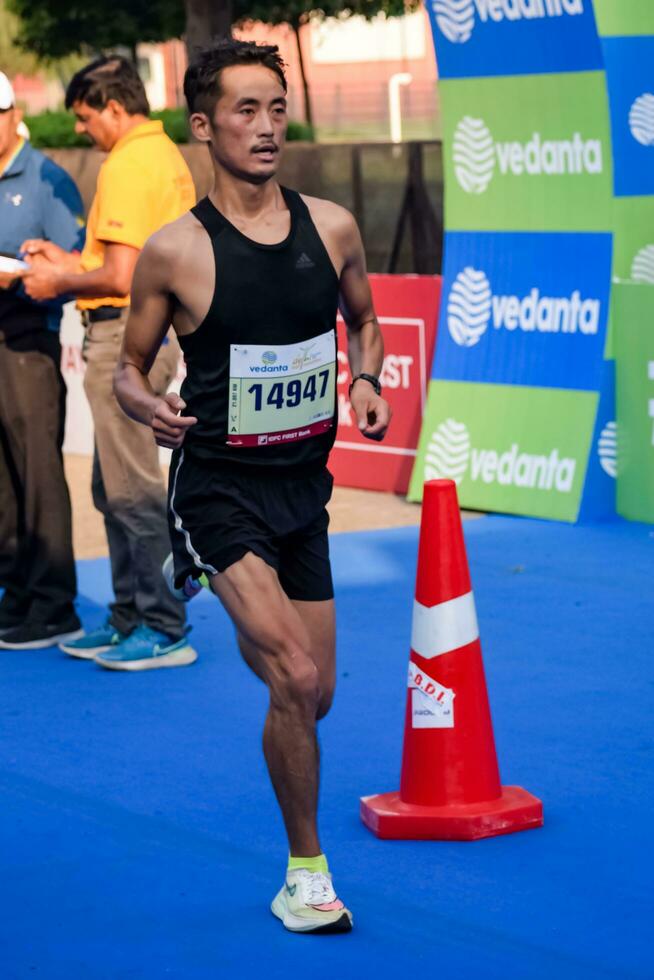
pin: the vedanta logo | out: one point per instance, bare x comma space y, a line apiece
456, 18
471, 306
642, 266
607, 449
475, 156
450, 455
641, 119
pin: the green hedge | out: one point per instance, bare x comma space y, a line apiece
56, 129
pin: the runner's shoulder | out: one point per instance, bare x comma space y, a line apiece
331, 217
174, 242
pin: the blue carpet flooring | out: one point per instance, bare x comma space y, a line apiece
140, 838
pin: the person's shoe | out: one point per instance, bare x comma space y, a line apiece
37, 636
308, 903
13, 617
99, 640
191, 587
145, 649
9, 623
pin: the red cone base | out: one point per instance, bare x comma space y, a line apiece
391, 819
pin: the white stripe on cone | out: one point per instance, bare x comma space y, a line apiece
440, 629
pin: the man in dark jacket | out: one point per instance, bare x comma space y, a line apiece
37, 200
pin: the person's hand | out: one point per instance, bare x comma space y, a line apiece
7, 279
372, 412
41, 281
168, 426
39, 250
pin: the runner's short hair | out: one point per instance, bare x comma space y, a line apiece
202, 78
111, 77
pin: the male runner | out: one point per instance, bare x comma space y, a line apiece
252, 278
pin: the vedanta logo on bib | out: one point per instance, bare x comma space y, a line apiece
476, 155
450, 455
471, 306
456, 18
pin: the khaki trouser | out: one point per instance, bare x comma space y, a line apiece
37, 569
128, 487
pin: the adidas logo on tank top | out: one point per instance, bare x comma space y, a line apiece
304, 262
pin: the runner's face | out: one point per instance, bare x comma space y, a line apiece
100, 125
249, 122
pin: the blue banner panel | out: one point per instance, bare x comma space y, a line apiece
524, 309
598, 500
630, 78
513, 37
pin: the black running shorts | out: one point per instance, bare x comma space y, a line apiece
217, 516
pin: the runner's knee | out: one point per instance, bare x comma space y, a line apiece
325, 702
295, 683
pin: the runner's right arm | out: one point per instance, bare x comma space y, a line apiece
148, 322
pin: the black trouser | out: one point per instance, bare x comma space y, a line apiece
37, 568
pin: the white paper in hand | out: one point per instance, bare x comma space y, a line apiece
11, 266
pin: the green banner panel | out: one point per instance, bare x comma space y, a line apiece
633, 249
634, 345
633, 238
618, 18
509, 448
527, 152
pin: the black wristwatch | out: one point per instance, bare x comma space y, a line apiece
366, 377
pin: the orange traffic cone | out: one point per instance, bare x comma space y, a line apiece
450, 787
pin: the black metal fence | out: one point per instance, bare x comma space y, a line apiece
394, 190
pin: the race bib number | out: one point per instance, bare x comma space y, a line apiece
281, 393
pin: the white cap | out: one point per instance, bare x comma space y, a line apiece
7, 98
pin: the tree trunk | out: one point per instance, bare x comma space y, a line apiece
206, 20
308, 112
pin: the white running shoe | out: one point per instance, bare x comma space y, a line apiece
308, 903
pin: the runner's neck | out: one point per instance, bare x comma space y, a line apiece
240, 201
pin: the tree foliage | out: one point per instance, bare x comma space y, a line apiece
300, 11
54, 28
13, 60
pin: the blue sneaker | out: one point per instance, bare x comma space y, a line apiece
89, 645
145, 649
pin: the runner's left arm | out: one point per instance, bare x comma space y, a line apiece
365, 346
148, 322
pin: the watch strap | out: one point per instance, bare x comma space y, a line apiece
369, 378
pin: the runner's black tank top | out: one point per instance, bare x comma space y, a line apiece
265, 296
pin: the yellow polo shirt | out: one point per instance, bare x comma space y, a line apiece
143, 184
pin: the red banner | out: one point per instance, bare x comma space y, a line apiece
407, 310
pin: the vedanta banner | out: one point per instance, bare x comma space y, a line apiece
627, 37
513, 37
519, 369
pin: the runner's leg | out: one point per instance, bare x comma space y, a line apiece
319, 620
278, 646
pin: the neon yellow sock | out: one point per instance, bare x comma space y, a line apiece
313, 864
204, 581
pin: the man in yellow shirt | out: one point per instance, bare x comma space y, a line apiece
143, 184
